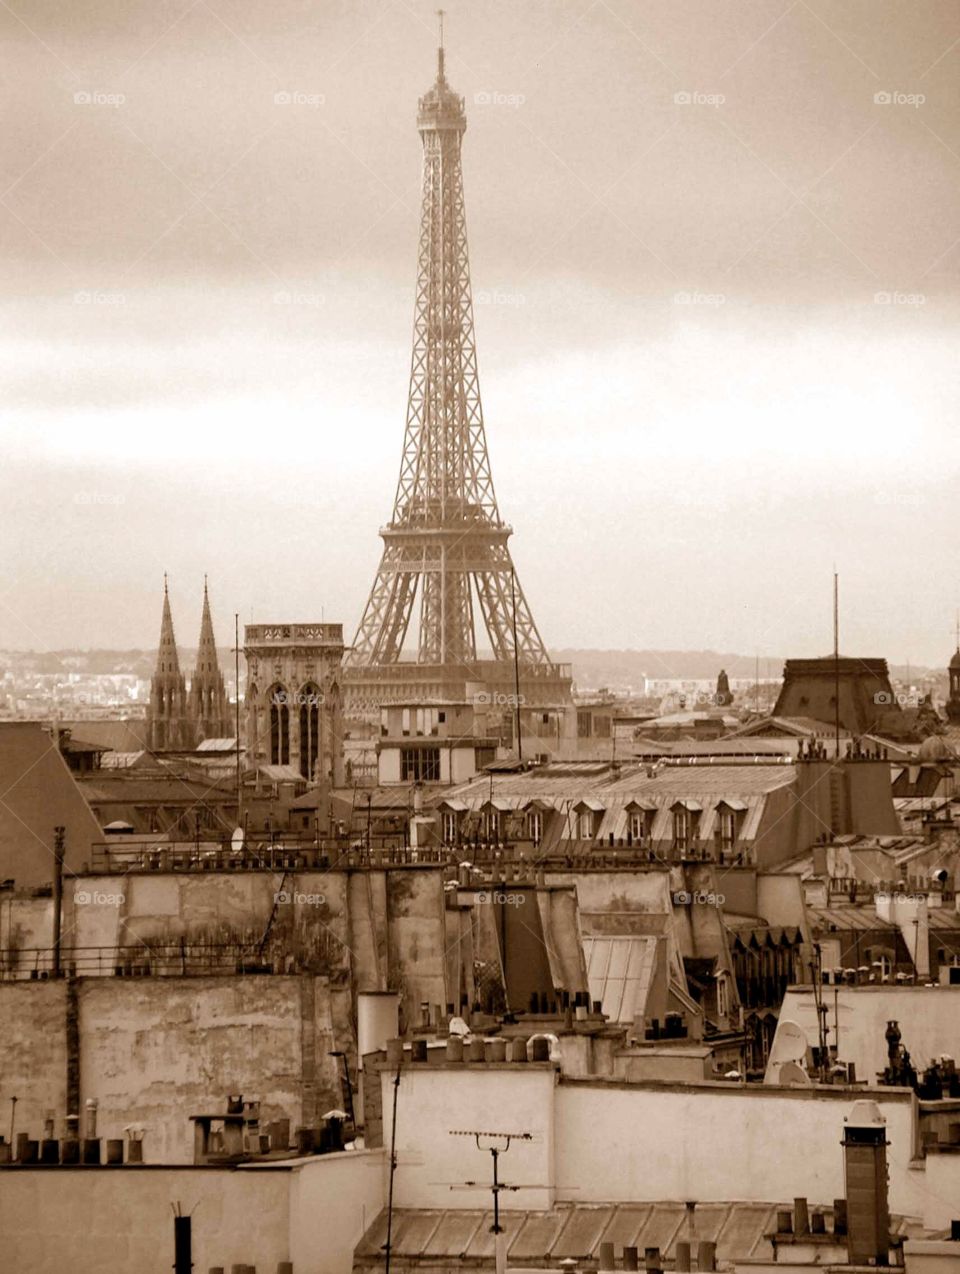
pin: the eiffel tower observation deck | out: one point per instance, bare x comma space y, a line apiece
445, 547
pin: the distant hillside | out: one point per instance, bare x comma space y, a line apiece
618, 668
591, 668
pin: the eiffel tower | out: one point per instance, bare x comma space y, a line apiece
446, 539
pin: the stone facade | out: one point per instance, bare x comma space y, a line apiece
293, 698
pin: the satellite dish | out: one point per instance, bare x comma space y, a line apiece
236, 840
789, 1043
793, 1073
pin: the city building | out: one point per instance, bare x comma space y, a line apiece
293, 698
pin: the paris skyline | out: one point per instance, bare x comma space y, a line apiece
691, 378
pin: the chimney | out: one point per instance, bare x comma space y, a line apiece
865, 1173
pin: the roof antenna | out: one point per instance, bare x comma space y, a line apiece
440, 15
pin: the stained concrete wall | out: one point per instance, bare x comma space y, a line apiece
364, 930
154, 1051
33, 1054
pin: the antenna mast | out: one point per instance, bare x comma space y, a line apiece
836, 661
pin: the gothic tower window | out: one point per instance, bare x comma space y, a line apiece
279, 726
309, 729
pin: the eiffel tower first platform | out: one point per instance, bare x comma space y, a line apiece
446, 544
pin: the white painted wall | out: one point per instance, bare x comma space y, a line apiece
433, 1100
604, 1141
929, 1019
333, 1200
720, 1142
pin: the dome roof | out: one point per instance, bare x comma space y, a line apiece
934, 748
955, 661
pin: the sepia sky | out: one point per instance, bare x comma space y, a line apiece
714, 246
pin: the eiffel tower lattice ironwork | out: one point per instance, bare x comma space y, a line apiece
446, 538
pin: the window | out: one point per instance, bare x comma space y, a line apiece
309, 730
587, 824
685, 824
420, 765
405, 721
442, 717
279, 727
449, 827
584, 720
640, 826
535, 826
491, 823
722, 997
726, 827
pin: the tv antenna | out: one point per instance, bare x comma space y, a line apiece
497, 1143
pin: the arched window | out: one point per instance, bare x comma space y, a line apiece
310, 699
279, 726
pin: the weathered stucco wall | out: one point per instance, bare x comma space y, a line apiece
153, 1051
33, 1054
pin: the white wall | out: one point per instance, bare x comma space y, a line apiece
929, 1019
435, 1099
720, 1142
333, 1200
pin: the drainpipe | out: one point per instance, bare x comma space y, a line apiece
59, 839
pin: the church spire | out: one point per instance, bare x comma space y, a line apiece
209, 706
167, 725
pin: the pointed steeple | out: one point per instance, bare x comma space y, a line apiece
167, 725
167, 658
209, 706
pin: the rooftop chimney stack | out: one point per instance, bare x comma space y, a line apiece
865, 1172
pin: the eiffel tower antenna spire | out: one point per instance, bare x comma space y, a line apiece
440, 75
446, 541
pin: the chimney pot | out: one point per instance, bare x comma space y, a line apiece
606, 1257
682, 1256
839, 1216
707, 1255
454, 1048
630, 1258
784, 1221
801, 1217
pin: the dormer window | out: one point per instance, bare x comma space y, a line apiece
640, 816
730, 815
589, 813
686, 824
